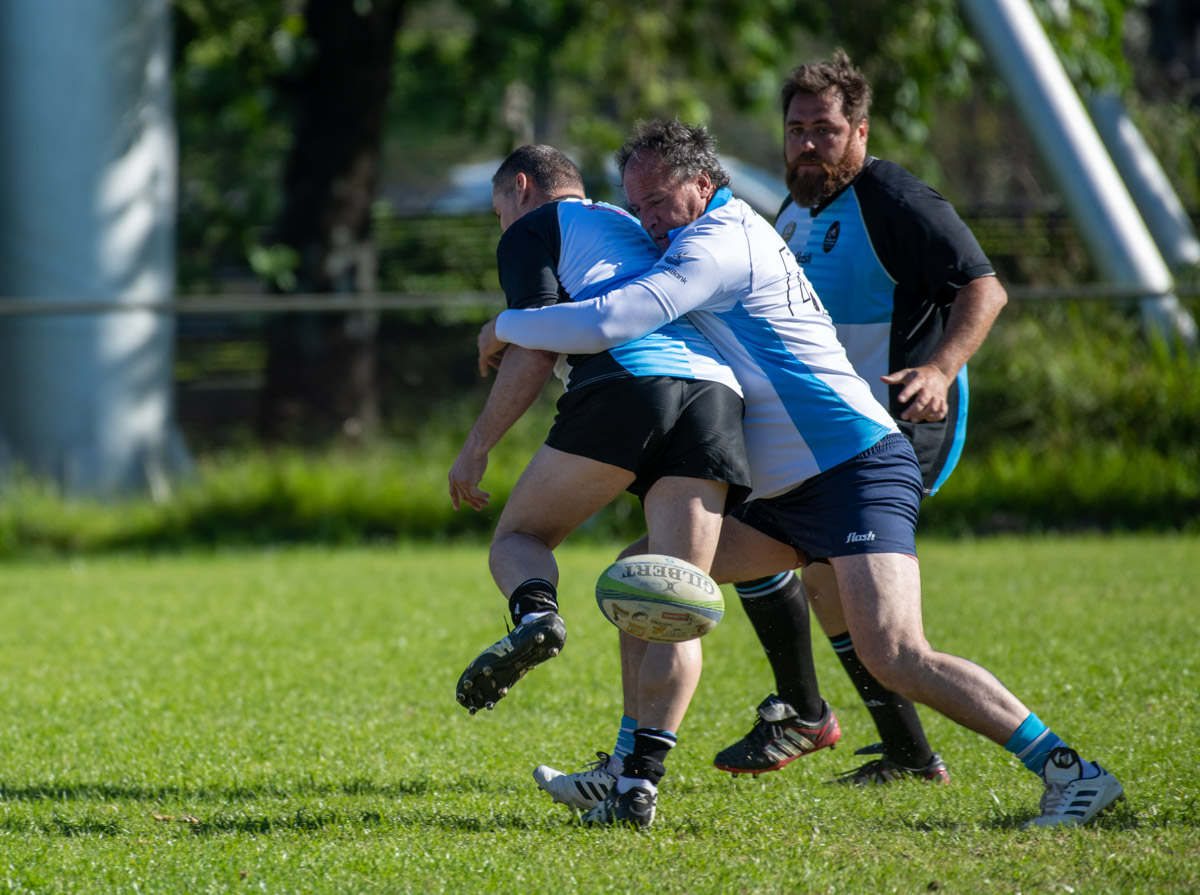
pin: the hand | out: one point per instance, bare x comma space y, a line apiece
925, 387
465, 476
491, 349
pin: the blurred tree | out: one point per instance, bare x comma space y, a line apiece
230, 56
284, 106
320, 376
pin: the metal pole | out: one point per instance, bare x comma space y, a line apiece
1110, 224
1148, 184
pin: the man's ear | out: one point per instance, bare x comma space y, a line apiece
521, 182
704, 183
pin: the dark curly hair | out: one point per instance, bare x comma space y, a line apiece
684, 149
837, 74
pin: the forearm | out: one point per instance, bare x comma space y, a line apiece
586, 327
521, 377
974, 311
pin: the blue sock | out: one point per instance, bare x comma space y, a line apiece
624, 744
1033, 742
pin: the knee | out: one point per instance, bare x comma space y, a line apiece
897, 666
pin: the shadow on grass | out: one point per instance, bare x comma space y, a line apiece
83, 791
1121, 817
208, 811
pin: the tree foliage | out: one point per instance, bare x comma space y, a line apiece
481, 75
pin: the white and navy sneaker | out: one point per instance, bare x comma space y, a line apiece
493, 672
1071, 799
583, 789
634, 808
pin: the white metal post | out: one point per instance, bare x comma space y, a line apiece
87, 209
1071, 149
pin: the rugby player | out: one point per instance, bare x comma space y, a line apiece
912, 297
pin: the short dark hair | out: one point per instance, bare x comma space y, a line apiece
684, 149
550, 170
837, 74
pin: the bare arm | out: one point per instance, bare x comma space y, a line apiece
974, 311
520, 379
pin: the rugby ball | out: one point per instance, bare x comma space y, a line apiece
659, 598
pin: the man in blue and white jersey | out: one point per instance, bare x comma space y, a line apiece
912, 296
834, 480
676, 443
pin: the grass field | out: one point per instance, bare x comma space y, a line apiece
284, 721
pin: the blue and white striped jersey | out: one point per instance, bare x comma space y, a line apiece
573, 250
735, 278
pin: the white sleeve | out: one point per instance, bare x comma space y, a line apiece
634, 310
586, 327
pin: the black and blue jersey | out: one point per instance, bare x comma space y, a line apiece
573, 250
887, 256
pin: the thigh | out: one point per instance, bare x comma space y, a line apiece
557, 492
745, 553
683, 517
881, 599
821, 588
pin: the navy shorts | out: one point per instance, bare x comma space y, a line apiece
868, 504
657, 426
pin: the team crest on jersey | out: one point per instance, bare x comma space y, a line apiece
831, 236
789, 231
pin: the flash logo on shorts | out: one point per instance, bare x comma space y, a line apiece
856, 538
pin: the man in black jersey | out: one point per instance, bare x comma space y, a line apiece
912, 296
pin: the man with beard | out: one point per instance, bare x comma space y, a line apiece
912, 297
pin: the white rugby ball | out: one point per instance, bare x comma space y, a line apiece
659, 598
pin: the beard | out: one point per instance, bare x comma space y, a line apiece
810, 186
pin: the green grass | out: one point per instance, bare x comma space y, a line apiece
283, 721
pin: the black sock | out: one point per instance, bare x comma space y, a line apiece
650, 748
534, 595
896, 717
778, 610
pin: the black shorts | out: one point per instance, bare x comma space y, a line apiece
657, 426
939, 444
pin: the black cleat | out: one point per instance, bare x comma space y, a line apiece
777, 738
883, 770
635, 808
493, 672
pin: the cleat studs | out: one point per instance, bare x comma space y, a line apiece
539, 637
553, 652
503, 691
468, 684
489, 706
472, 709
487, 670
